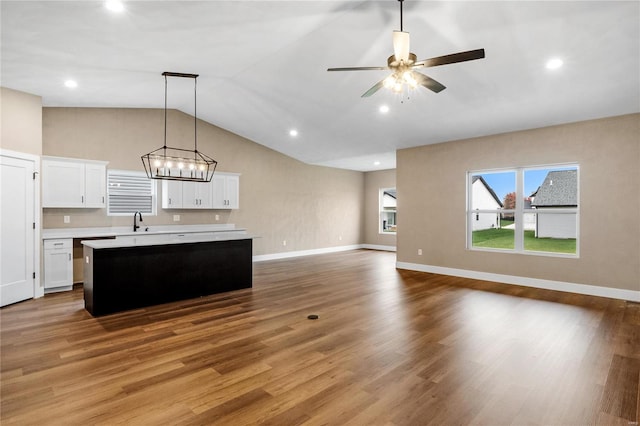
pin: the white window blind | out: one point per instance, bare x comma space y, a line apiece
129, 192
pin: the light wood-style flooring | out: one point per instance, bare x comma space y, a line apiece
390, 347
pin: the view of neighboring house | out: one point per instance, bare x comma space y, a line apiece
388, 210
559, 190
484, 198
529, 219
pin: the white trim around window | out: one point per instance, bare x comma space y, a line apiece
566, 218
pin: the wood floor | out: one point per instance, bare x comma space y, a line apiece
390, 347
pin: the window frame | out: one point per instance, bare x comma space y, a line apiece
519, 211
153, 188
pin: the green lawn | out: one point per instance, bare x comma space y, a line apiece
493, 238
505, 222
555, 245
503, 239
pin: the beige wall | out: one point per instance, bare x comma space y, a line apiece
281, 198
432, 192
20, 121
373, 182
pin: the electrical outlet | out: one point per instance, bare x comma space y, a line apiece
340, 238
176, 218
284, 242
67, 219
419, 252
217, 217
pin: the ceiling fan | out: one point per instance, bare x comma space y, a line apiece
403, 65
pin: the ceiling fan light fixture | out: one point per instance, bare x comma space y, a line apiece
389, 82
403, 63
409, 78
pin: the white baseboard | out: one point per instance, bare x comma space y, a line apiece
288, 254
377, 247
592, 290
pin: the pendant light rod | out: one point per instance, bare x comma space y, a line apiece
401, 14
195, 114
165, 110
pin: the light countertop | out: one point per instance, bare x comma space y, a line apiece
118, 231
143, 239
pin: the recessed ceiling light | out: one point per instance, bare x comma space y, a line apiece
384, 109
293, 133
71, 84
376, 163
114, 5
554, 64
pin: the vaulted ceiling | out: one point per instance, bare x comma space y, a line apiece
263, 67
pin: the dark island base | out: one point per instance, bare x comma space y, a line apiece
119, 279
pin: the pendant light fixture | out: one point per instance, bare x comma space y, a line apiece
177, 163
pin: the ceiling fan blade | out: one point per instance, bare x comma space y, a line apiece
428, 82
373, 90
469, 55
357, 69
401, 45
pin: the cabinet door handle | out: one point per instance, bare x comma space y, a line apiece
102, 200
82, 198
69, 256
169, 201
58, 244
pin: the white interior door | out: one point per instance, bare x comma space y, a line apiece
17, 255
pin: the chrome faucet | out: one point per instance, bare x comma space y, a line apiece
135, 223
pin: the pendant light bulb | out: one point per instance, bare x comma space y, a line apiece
397, 87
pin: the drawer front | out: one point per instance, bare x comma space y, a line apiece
58, 244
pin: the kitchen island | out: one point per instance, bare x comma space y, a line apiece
135, 272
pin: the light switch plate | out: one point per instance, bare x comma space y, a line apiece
67, 219
176, 218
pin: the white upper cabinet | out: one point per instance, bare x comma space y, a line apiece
196, 195
186, 195
70, 182
226, 191
223, 192
95, 185
171, 194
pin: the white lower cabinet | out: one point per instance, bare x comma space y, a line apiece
58, 263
